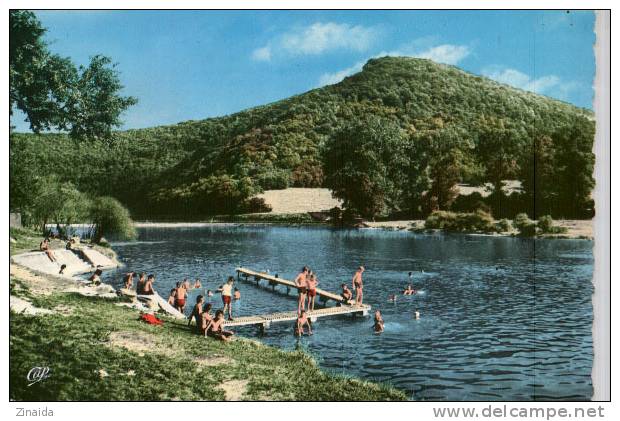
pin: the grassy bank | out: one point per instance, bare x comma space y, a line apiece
97, 349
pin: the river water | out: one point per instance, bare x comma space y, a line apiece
501, 318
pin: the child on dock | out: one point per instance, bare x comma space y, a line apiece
215, 328
226, 291
302, 321
358, 285
312, 283
379, 324
197, 312
346, 293
302, 287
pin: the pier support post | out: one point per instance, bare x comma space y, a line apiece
264, 326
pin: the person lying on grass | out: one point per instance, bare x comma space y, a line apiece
300, 324
215, 328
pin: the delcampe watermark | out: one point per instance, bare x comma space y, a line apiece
37, 374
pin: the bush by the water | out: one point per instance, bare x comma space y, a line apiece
478, 221
109, 217
545, 225
503, 225
525, 225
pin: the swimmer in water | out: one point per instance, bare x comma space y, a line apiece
409, 290
392, 298
378, 326
416, 314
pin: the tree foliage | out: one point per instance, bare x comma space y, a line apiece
110, 217
53, 93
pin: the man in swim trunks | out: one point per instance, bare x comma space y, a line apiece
197, 312
302, 287
302, 321
312, 283
378, 326
148, 285
215, 328
346, 293
227, 292
358, 285
181, 296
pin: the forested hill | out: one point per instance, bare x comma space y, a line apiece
453, 125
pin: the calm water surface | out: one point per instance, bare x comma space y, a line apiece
501, 318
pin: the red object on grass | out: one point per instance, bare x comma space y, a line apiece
151, 319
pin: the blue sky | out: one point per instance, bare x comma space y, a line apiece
184, 65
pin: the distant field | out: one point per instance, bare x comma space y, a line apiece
300, 200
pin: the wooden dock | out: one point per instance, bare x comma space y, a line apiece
322, 295
264, 321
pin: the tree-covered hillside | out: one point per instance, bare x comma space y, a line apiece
449, 126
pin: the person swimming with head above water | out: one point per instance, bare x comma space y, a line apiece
379, 323
300, 324
409, 290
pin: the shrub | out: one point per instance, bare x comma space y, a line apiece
254, 205
545, 225
503, 225
478, 221
109, 217
525, 225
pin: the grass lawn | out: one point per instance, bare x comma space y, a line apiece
98, 350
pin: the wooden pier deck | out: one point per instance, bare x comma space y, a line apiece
323, 295
264, 321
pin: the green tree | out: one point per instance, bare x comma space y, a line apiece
365, 166
53, 93
110, 217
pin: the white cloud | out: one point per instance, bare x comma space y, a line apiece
520, 80
262, 54
445, 53
318, 38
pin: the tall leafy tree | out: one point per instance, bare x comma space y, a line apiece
365, 166
53, 93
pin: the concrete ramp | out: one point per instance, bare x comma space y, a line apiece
74, 264
163, 305
96, 258
37, 261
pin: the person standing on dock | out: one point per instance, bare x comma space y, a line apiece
227, 292
312, 283
302, 287
358, 285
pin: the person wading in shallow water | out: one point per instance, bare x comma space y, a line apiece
302, 287
227, 292
358, 285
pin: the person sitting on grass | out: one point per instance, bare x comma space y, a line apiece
181, 295
205, 318
215, 328
95, 278
45, 246
346, 293
300, 324
148, 285
140, 284
379, 324
172, 297
197, 312
129, 279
